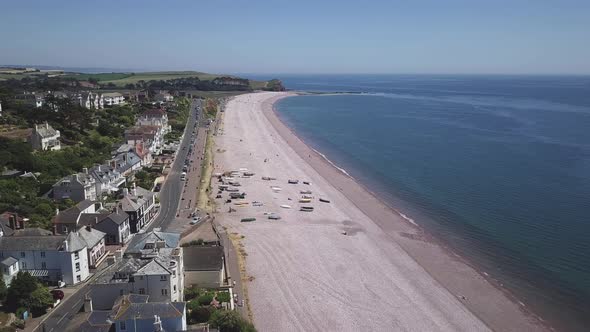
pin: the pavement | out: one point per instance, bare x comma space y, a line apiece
58, 319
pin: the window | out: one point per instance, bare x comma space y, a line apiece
77, 267
22, 254
164, 291
76, 255
23, 265
174, 273
42, 253
43, 265
78, 278
142, 291
121, 292
122, 325
174, 288
163, 278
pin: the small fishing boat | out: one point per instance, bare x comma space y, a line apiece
285, 206
293, 181
248, 219
305, 192
305, 200
306, 208
323, 200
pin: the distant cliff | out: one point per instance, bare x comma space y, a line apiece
274, 85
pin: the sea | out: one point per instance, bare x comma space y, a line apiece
497, 167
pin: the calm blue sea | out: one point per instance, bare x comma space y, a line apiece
498, 167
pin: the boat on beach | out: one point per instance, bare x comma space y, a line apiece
293, 181
285, 206
248, 219
323, 200
306, 208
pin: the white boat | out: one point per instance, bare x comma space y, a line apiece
276, 188
285, 206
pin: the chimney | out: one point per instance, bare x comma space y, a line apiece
12, 221
157, 324
134, 189
87, 303
46, 125
56, 211
125, 192
89, 228
85, 169
66, 247
160, 244
99, 168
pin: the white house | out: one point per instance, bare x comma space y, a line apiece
155, 117
50, 258
113, 98
108, 179
163, 97
44, 137
91, 100
77, 187
204, 266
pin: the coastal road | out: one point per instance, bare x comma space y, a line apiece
171, 190
58, 319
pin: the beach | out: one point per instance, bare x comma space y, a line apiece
351, 264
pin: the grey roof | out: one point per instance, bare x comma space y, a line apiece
203, 258
75, 242
154, 267
138, 298
139, 241
91, 218
150, 309
45, 130
9, 261
112, 94
33, 231
91, 236
81, 178
31, 242
104, 173
122, 165
5, 226
70, 215
118, 217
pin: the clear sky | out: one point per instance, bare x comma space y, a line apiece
301, 36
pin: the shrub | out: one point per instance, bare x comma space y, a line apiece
191, 293
18, 323
205, 299
192, 305
201, 314
230, 321
223, 297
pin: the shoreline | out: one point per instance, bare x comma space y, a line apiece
329, 170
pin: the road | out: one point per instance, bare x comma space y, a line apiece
171, 189
59, 318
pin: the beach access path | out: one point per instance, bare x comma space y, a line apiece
381, 275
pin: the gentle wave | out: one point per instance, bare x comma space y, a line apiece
333, 164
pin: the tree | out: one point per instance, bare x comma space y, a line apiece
205, 299
21, 288
3, 290
230, 321
223, 297
39, 300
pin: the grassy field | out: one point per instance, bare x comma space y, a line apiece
99, 77
157, 76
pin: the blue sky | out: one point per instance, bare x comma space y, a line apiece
249, 36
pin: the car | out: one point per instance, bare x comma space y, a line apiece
57, 294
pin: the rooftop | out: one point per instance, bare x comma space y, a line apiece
203, 258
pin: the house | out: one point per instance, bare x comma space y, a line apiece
126, 162
10, 222
150, 135
204, 266
140, 150
51, 258
130, 313
152, 265
114, 224
150, 316
155, 117
31, 99
163, 97
95, 243
139, 204
44, 137
68, 220
77, 187
9, 268
91, 100
113, 98
108, 179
